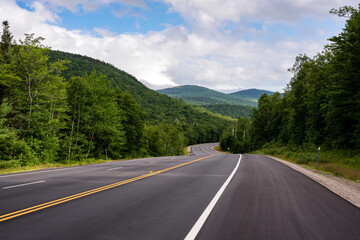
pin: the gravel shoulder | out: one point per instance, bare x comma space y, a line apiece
346, 189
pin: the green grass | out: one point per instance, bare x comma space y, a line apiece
338, 162
16, 168
218, 148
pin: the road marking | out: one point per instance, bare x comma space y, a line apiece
24, 184
200, 222
205, 150
110, 169
152, 162
90, 192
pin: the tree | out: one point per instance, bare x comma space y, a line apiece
343, 117
6, 61
261, 120
6, 43
133, 122
95, 119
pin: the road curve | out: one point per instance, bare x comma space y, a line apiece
263, 200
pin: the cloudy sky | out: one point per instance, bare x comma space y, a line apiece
226, 45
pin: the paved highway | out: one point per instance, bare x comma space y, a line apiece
208, 195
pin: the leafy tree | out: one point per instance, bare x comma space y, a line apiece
11, 147
95, 125
261, 119
237, 138
6, 61
343, 117
6, 43
133, 122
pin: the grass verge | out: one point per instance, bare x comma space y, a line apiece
218, 148
15, 169
338, 162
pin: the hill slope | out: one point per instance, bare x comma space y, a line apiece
158, 107
251, 93
197, 95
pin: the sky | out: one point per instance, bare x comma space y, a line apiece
225, 45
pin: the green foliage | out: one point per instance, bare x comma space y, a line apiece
321, 103
197, 125
237, 138
233, 111
345, 163
133, 122
95, 119
91, 110
12, 149
320, 106
164, 140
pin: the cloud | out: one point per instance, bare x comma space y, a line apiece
240, 57
259, 10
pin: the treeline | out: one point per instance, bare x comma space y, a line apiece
321, 104
46, 117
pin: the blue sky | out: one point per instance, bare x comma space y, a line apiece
132, 20
226, 45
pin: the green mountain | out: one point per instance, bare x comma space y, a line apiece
234, 105
197, 95
251, 93
199, 125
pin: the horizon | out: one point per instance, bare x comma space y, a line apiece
218, 90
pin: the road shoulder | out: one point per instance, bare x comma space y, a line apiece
346, 189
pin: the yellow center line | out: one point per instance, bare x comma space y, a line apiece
205, 150
90, 192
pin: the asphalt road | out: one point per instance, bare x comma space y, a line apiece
173, 198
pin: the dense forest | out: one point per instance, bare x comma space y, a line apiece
234, 111
61, 107
321, 104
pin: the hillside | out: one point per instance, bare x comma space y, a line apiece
197, 95
71, 108
233, 111
251, 93
158, 107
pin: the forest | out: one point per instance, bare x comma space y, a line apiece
62, 107
320, 106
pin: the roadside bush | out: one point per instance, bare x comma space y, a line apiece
9, 164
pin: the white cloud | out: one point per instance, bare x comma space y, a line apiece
202, 55
259, 10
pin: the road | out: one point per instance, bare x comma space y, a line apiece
208, 195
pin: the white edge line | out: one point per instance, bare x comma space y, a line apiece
200, 222
110, 169
20, 185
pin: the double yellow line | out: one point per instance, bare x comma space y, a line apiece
90, 192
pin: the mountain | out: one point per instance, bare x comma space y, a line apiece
251, 93
198, 124
197, 95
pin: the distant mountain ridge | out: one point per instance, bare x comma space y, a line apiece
197, 95
252, 93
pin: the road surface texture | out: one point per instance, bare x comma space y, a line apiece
208, 195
